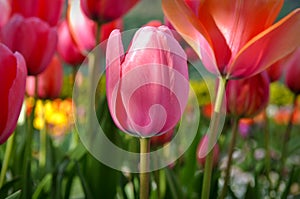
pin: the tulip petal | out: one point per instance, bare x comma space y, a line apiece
268, 47
187, 24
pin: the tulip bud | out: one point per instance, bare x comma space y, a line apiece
104, 11
202, 151
293, 71
33, 38
162, 139
49, 81
13, 78
247, 97
147, 87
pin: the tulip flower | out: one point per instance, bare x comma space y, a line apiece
104, 11
293, 71
147, 88
275, 71
162, 139
235, 39
49, 11
5, 12
50, 81
66, 47
202, 151
247, 97
83, 30
13, 77
33, 38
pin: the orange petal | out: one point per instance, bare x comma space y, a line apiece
186, 23
268, 47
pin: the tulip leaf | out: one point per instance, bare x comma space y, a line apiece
15, 195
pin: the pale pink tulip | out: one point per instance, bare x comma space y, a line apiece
147, 88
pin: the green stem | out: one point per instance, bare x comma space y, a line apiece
267, 146
43, 148
144, 166
211, 137
229, 161
287, 136
9, 146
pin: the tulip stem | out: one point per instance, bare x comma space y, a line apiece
229, 161
287, 136
9, 146
144, 167
211, 137
267, 144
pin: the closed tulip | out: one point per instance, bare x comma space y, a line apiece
247, 97
292, 65
83, 29
13, 77
33, 38
5, 12
162, 139
275, 71
202, 152
50, 81
235, 39
67, 47
49, 11
104, 11
147, 87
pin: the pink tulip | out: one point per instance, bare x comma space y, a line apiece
49, 11
12, 88
104, 11
293, 71
235, 39
202, 152
66, 47
33, 38
147, 88
5, 12
83, 30
49, 81
247, 97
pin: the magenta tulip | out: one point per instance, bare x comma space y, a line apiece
13, 74
202, 152
147, 87
50, 81
49, 11
104, 11
235, 39
293, 71
5, 12
247, 97
33, 38
83, 30
66, 47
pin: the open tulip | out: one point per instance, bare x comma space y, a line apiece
104, 11
292, 65
247, 97
33, 38
83, 29
147, 88
235, 39
49, 11
13, 77
49, 81
67, 47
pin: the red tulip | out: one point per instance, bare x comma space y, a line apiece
235, 39
275, 71
162, 139
147, 88
12, 88
247, 97
293, 71
202, 152
49, 11
83, 29
49, 82
5, 12
104, 11
66, 47
33, 38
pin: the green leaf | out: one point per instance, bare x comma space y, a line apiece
15, 195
